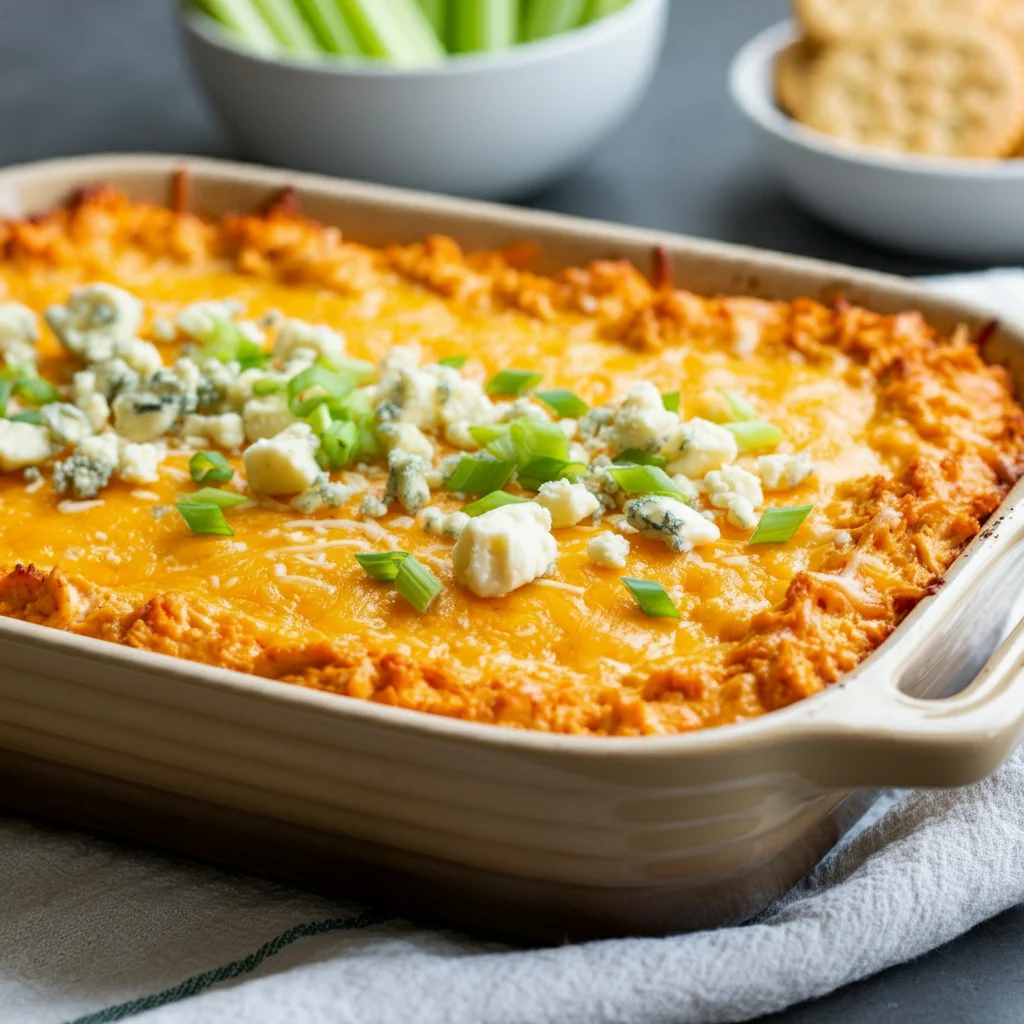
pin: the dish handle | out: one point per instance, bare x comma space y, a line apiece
876, 735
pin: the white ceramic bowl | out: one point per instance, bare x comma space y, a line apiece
490, 126
962, 210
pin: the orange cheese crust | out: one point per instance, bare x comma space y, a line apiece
916, 440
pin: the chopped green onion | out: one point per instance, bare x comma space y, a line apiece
536, 439
479, 476
213, 496
209, 468
644, 480
652, 598
635, 457
513, 382
362, 371
563, 401
314, 386
227, 343
671, 401
32, 416
417, 584
488, 503
6, 390
778, 525
453, 362
382, 565
244, 21
328, 24
320, 418
267, 386
395, 30
477, 25
205, 518
36, 390
741, 409
339, 443
753, 434
487, 433
541, 471
545, 18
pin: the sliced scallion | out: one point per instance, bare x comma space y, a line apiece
513, 382
213, 496
453, 362
205, 518
382, 565
244, 21
362, 371
36, 390
417, 584
339, 443
314, 386
488, 503
778, 525
541, 471
564, 402
320, 418
644, 480
753, 434
267, 386
635, 457
209, 468
741, 409
538, 439
32, 416
671, 401
228, 343
479, 476
652, 598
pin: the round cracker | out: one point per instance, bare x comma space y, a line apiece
831, 21
953, 89
792, 71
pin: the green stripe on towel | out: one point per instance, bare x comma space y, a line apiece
200, 982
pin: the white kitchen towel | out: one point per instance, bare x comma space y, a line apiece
95, 931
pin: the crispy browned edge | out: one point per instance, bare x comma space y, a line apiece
958, 411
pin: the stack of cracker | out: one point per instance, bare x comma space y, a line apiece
938, 77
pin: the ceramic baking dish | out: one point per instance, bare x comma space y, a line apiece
542, 834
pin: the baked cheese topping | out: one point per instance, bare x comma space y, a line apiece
206, 422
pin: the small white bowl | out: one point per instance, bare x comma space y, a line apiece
489, 126
955, 209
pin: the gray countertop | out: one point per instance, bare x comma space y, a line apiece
81, 76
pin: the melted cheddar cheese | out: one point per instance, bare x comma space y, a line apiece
914, 439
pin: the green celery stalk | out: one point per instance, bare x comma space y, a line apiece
287, 25
549, 17
394, 30
483, 25
245, 23
597, 9
328, 25
437, 12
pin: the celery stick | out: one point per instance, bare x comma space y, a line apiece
437, 12
597, 9
287, 25
328, 24
549, 17
395, 30
245, 22
483, 25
